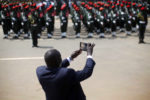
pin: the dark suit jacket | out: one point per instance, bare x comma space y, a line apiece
64, 83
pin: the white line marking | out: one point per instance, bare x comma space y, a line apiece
24, 58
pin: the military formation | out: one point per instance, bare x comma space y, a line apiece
31, 18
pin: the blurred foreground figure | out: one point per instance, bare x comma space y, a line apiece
60, 82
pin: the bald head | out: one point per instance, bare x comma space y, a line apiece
53, 58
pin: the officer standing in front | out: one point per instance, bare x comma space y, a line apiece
34, 25
142, 17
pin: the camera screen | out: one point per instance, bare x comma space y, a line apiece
83, 46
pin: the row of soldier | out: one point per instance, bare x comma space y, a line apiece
103, 17
99, 17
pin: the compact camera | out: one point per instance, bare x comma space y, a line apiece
83, 46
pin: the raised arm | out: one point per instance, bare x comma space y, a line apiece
66, 62
87, 70
78, 76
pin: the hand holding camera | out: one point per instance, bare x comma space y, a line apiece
90, 49
83, 47
87, 47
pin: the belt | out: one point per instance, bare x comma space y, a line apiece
142, 22
34, 24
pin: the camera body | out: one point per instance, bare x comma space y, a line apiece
83, 46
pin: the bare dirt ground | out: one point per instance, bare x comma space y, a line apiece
122, 70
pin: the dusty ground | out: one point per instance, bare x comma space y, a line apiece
122, 70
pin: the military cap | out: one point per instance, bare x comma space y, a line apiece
34, 4
121, 5
133, 4
128, 6
83, 3
26, 7
117, 4
113, 7
139, 5
63, 6
142, 8
49, 8
77, 9
129, 3
89, 8
101, 8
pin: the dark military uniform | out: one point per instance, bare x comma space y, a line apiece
134, 22
76, 20
0, 12
100, 22
64, 20
122, 21
90, 22
134, 18
108, 23
25, 22
34, 26
16, 21
83, 15
6, 22
113, 24
128, 25
142, 17
40, 20
49, 17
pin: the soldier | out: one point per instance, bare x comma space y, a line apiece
128, 21
100, 23
142, 17
113, 22
122, 18
6, 22
134, 17
76, 19
0, 11
117, 9
33, 17
40, 17
49, 17
43, 8
90, 22
83, 12
16, 21
108, 20
25, 22
128, 25
20, 9
64, 20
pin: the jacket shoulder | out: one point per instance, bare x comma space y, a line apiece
40, 70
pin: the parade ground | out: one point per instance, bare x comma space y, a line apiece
122, 70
